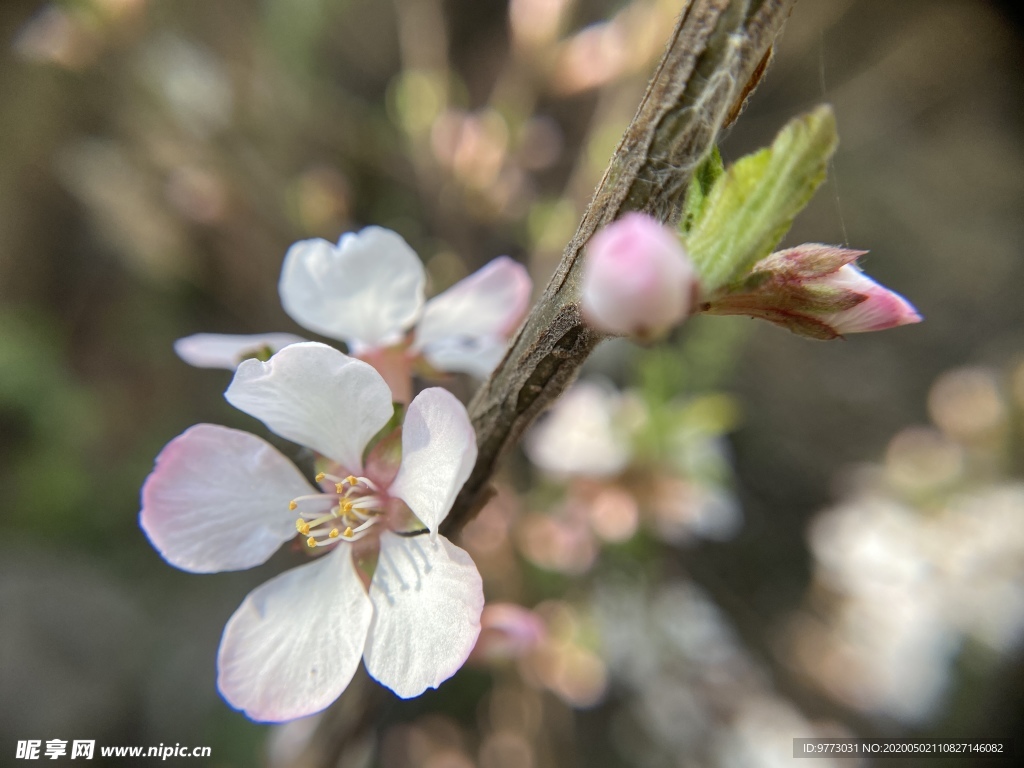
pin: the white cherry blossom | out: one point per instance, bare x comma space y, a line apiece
220, 499
369, 292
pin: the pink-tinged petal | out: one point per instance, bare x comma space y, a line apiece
220, 350
367, 290
882, 309
314, 395
294, 643
438, 453
462, 327
638, 279
217, 500
394, 364
427, 598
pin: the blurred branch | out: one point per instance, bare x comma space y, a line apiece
715, 57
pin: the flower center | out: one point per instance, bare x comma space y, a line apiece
347, 514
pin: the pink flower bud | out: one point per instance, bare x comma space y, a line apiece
817, 291
638, 279
880, 309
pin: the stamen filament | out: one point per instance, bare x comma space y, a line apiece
357, 514
302, 500
323, 519
357, 535
367, 525
366, 502
368, 483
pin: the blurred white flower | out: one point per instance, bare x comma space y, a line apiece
368, 291
582, 434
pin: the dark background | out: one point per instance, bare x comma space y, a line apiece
139, 203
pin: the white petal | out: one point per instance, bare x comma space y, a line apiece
475, 355
217, 500
220, 350
467, 327
366, 291
294, 643
438, 453
427, 599
316, 396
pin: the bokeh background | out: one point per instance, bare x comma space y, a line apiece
156, 161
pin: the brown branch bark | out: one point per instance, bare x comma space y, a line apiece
716, 55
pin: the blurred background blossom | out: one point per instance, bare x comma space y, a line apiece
921, 568
770, 537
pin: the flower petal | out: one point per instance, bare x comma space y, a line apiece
217, 500
427, 598
466, 328
316, 396
366, 291
475, 355
221, 350
882, 309
294, 643
438, 453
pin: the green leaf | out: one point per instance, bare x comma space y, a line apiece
704, 178
752, 206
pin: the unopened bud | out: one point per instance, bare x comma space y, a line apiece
638, 279
817, 291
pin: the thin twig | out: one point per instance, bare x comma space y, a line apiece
717, 53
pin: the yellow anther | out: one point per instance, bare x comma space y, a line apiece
302, 526
292, 506
339, 487
334, 533
348, 532
320, 477
351, 480
345, 506
310, 542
